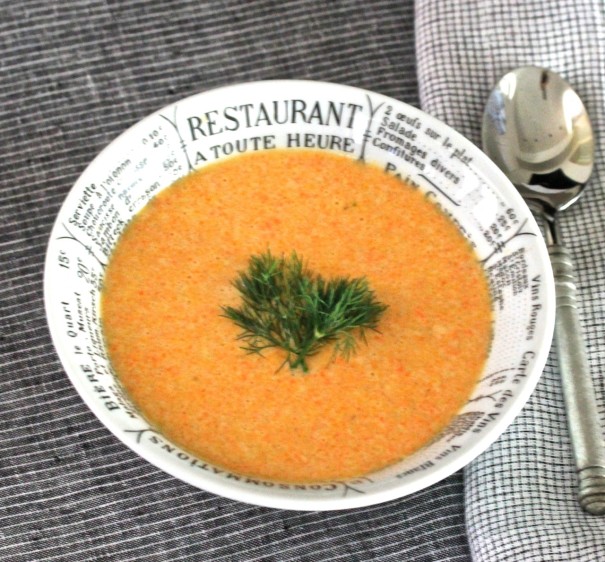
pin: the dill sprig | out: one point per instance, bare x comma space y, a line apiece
285, 305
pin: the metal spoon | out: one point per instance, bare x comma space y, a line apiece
536, 129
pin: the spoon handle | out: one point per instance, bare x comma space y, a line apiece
582, 415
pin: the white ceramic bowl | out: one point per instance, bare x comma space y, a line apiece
206, 127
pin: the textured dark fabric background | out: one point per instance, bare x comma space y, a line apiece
73, 75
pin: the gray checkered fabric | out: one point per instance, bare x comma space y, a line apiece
520, 494
73, 75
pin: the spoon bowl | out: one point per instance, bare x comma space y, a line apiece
537, 130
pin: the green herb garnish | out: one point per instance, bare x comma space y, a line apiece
285, 305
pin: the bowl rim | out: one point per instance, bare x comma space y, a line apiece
255, 496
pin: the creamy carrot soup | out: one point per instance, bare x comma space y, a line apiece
181, 363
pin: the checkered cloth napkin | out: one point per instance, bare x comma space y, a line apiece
521, 494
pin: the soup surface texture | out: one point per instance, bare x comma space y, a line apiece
179, 359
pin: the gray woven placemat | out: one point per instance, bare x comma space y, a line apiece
73, 75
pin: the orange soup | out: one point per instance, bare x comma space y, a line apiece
181, 363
